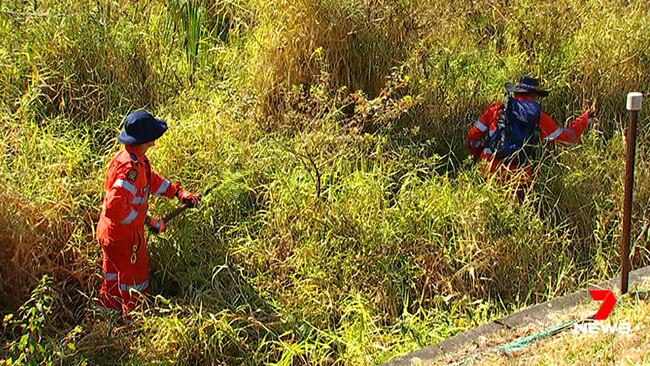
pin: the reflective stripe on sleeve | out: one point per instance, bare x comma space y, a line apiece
110, 276
139, 287
554, 135
163, 188
140, 200
476, 143
487, 150
481, 126
126, 185
129, 219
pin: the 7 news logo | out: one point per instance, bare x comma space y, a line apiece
599, 326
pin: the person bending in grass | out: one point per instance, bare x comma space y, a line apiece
509, 133
120, 231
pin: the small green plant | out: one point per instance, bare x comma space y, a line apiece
29, 323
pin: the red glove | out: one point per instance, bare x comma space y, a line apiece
592, 113
187, 198
157, 226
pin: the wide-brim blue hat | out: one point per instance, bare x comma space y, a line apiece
141, 127
527, 85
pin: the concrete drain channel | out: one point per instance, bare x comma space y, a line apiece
471, 343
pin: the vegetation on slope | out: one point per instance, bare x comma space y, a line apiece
348, 225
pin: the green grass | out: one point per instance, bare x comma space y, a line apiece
347, 225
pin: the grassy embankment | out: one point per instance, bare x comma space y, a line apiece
348, 227
572, 348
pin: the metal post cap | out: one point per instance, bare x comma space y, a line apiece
634, 101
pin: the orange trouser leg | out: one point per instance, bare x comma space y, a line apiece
132, 272
521, 178
109, 295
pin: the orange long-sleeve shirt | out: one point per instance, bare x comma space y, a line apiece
129, 183
550, 131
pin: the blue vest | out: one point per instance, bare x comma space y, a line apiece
516, 139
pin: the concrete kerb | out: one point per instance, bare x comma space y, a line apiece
535, 314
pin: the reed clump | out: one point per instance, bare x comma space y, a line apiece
348, 225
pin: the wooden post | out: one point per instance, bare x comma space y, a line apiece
634, 101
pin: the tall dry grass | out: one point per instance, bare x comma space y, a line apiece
347, 227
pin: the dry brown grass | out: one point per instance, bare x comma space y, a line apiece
355, 42
34, 244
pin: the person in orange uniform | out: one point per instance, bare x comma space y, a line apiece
130, 181
494, 138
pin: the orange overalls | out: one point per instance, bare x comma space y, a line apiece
120, 231
550, 132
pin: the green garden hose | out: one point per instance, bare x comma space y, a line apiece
520, 343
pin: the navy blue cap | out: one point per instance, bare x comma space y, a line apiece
141, 127
527, 85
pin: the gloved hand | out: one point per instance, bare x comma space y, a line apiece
592, 113
188, 198
155, 225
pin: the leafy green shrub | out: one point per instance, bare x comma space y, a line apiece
29, 345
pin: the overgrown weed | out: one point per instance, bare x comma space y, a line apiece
347, 226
